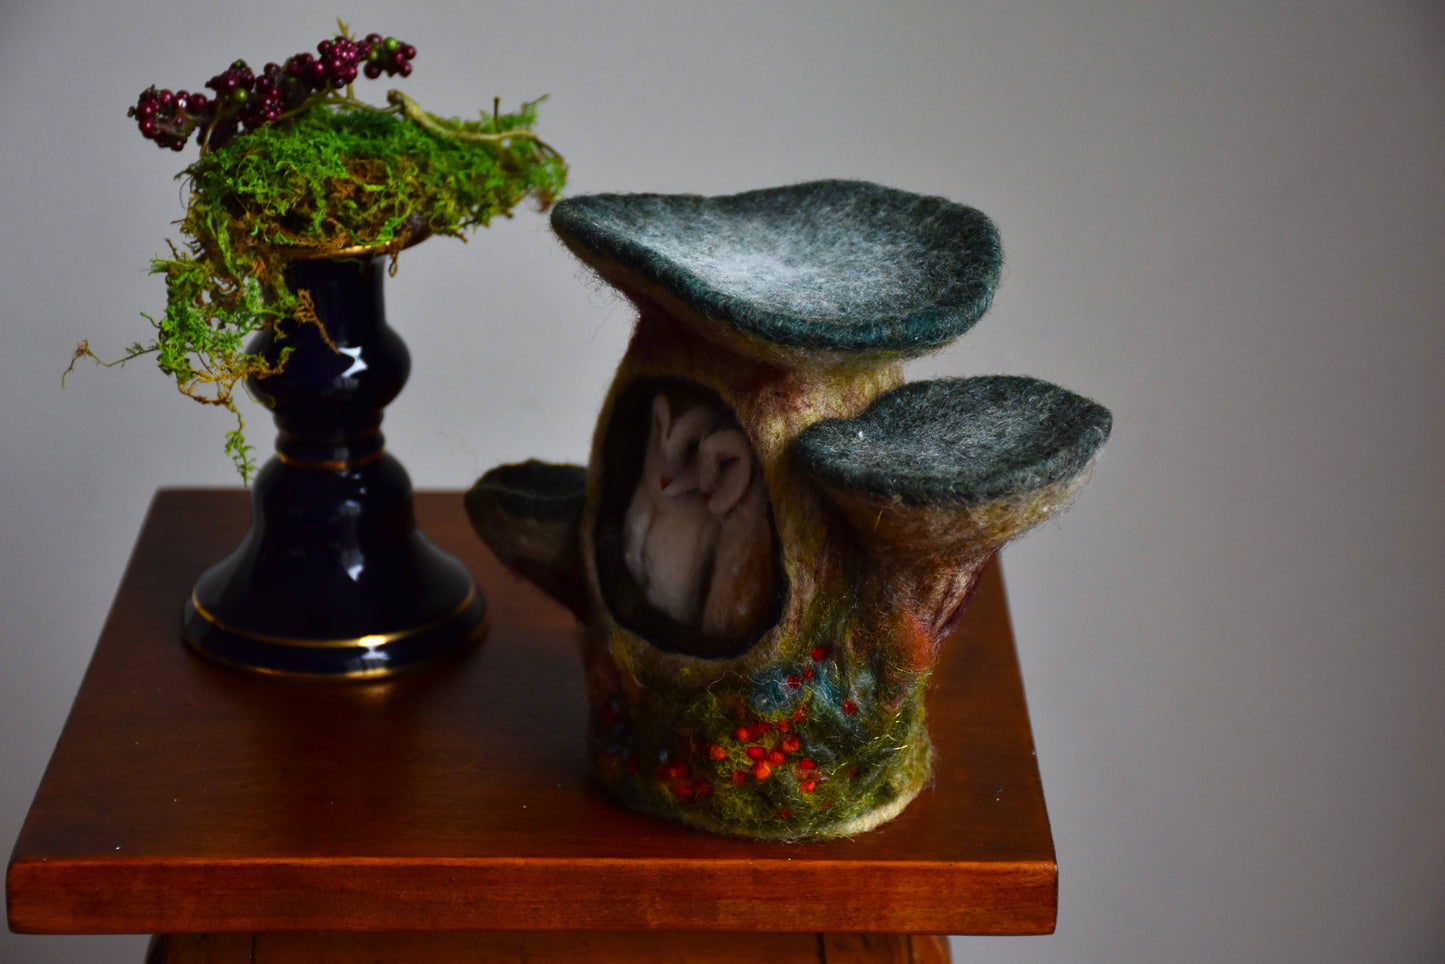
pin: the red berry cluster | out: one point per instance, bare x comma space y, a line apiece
764, 759
243, 100
168, 118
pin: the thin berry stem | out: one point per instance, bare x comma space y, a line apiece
413, 112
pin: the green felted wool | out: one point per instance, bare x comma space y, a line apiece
826, 267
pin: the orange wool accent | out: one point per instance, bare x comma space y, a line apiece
922, 643
762, 771
717, 752
791, 744
776, 757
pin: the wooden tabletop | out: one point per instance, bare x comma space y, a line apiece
184, 797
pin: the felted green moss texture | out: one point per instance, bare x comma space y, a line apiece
825, 267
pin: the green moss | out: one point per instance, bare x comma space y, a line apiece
339, 176
350, 175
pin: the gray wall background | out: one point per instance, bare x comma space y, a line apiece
1226, 221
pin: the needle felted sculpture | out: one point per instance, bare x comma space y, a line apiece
775, 533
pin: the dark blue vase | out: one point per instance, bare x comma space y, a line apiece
334, 579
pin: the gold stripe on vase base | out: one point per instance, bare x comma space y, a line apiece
380, 672
369, 641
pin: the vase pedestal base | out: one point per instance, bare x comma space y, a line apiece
333, 580
359, 657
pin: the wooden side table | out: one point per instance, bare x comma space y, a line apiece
444, 814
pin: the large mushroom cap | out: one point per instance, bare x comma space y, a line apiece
825, 267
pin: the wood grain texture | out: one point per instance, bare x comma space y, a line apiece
556, 947
184, 797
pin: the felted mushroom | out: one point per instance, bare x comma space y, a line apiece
757, 651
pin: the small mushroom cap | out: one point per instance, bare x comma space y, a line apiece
529, 514
958, 443
824, 267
